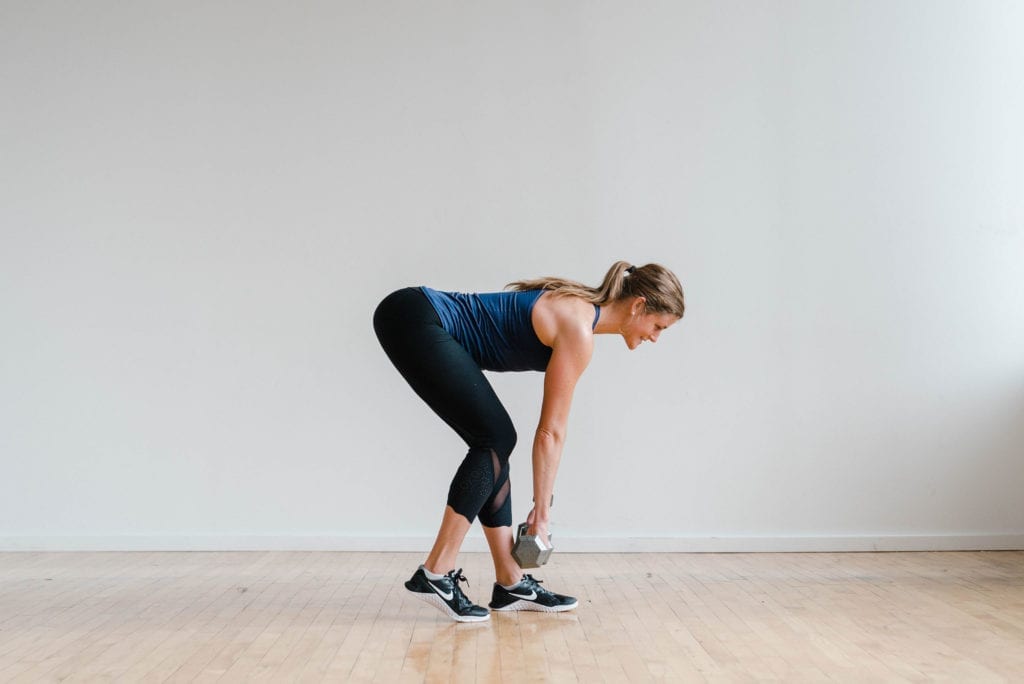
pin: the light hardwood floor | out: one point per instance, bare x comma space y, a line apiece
322, 616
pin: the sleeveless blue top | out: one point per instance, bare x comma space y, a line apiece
495, 327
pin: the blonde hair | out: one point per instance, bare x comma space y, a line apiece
655, 283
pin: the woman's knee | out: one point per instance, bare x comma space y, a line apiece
498, 438
505, 439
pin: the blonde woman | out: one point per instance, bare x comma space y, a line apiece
441, 342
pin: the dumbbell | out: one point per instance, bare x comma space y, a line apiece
529, 550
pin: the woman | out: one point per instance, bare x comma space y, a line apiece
442, 341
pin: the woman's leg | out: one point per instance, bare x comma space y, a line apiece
447, 378
506, 571
449, 540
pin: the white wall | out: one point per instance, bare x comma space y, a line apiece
201, 204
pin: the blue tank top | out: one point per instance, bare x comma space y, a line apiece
496, 328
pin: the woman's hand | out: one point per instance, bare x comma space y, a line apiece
538, 526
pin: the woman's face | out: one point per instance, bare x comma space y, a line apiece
646, 327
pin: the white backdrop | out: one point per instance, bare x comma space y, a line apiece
201, 204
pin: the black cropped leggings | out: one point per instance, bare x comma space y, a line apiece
444, 375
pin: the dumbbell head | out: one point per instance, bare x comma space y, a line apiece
529, 551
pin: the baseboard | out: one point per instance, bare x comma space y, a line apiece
981, 542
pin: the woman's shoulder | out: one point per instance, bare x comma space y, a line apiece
560, 316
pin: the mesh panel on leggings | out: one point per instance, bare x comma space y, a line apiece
498, 510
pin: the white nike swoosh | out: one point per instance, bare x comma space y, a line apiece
447, 597
529, 597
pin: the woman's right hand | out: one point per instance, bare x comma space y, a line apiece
538, 527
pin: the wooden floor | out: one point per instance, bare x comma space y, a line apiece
321, 616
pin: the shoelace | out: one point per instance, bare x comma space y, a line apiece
534, 584
456, 576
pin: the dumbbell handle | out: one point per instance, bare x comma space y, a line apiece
523, 531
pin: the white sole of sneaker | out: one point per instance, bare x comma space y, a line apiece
438, 602
530, 605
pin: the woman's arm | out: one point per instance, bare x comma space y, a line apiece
571, 352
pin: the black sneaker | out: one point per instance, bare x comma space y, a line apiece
447, 596
529, 595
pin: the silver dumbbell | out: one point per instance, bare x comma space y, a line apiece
529, 550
